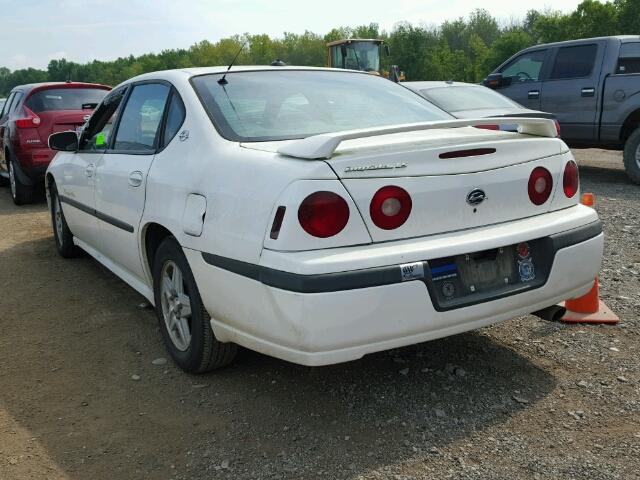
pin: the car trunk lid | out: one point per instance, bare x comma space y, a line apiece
440, 168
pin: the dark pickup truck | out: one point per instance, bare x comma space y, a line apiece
592, 86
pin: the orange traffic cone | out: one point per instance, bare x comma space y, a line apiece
589, 308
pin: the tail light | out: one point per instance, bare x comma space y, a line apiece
390, 207
488, 127
323, 214
30, 121
557, 128
570, 179
540, 185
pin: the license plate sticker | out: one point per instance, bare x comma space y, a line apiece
412, 271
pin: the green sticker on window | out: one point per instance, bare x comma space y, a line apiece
101, 139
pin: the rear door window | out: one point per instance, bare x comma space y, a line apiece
574, 62
7, 105
175, 118
629, 61
16, 102
526, 67
141, 118
54, 99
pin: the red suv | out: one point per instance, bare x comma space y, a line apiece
32, 113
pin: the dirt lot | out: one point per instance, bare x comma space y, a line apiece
524, 399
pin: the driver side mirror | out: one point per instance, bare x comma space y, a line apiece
494, 80
64, 141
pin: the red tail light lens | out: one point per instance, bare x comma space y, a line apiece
540, 185
570, 179
488, 127
30, 121
557, 128
323, 214
390, 207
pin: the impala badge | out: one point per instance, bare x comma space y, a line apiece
476, 196
184, 134
380, 166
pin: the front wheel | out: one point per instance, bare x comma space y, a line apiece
632, 156
61, 233
184, 322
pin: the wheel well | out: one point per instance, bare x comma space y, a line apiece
153, 237
630, 124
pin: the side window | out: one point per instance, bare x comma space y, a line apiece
97, 133
629, 61
141, 118
175, 117
16, 102
525, 68
574, 62
7, 104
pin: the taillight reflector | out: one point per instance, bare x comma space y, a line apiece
540, 185
390, 207
277, 222
323, 214
570, 179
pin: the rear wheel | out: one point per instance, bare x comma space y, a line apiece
184, 322
20, 192
632, 156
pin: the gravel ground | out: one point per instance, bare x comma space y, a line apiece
85, 391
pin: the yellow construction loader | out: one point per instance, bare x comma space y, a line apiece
361, 54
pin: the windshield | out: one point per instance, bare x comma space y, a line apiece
65, 99
284, 105
453, 99
364, 56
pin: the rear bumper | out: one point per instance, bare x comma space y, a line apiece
33, 163
332, 317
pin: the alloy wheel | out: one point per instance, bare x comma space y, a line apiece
57, 215
12, 179
176, 306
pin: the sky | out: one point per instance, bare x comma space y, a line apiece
33, 32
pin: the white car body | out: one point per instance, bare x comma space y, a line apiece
318, 301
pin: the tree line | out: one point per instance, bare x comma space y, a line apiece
465, 49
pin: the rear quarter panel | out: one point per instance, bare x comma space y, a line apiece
240, 185
621, 98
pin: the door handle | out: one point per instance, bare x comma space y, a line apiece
90, 170
135, 178
588, 92
533, 94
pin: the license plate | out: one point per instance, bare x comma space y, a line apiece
481, 276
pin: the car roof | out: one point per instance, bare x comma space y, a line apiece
196, 71
31, 86
621, 38
429, 84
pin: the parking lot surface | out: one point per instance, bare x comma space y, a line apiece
86, 392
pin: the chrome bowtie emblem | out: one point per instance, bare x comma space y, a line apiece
184, 134
476, 197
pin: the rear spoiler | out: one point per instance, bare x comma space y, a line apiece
322, 146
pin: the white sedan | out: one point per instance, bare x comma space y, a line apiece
317, 215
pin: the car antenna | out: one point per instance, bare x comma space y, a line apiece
223, 80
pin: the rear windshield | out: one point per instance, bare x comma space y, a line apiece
65, 99
290, 104
454, 99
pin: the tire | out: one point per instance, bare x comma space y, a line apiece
20, 193
188, 338
61, 233
632, 156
